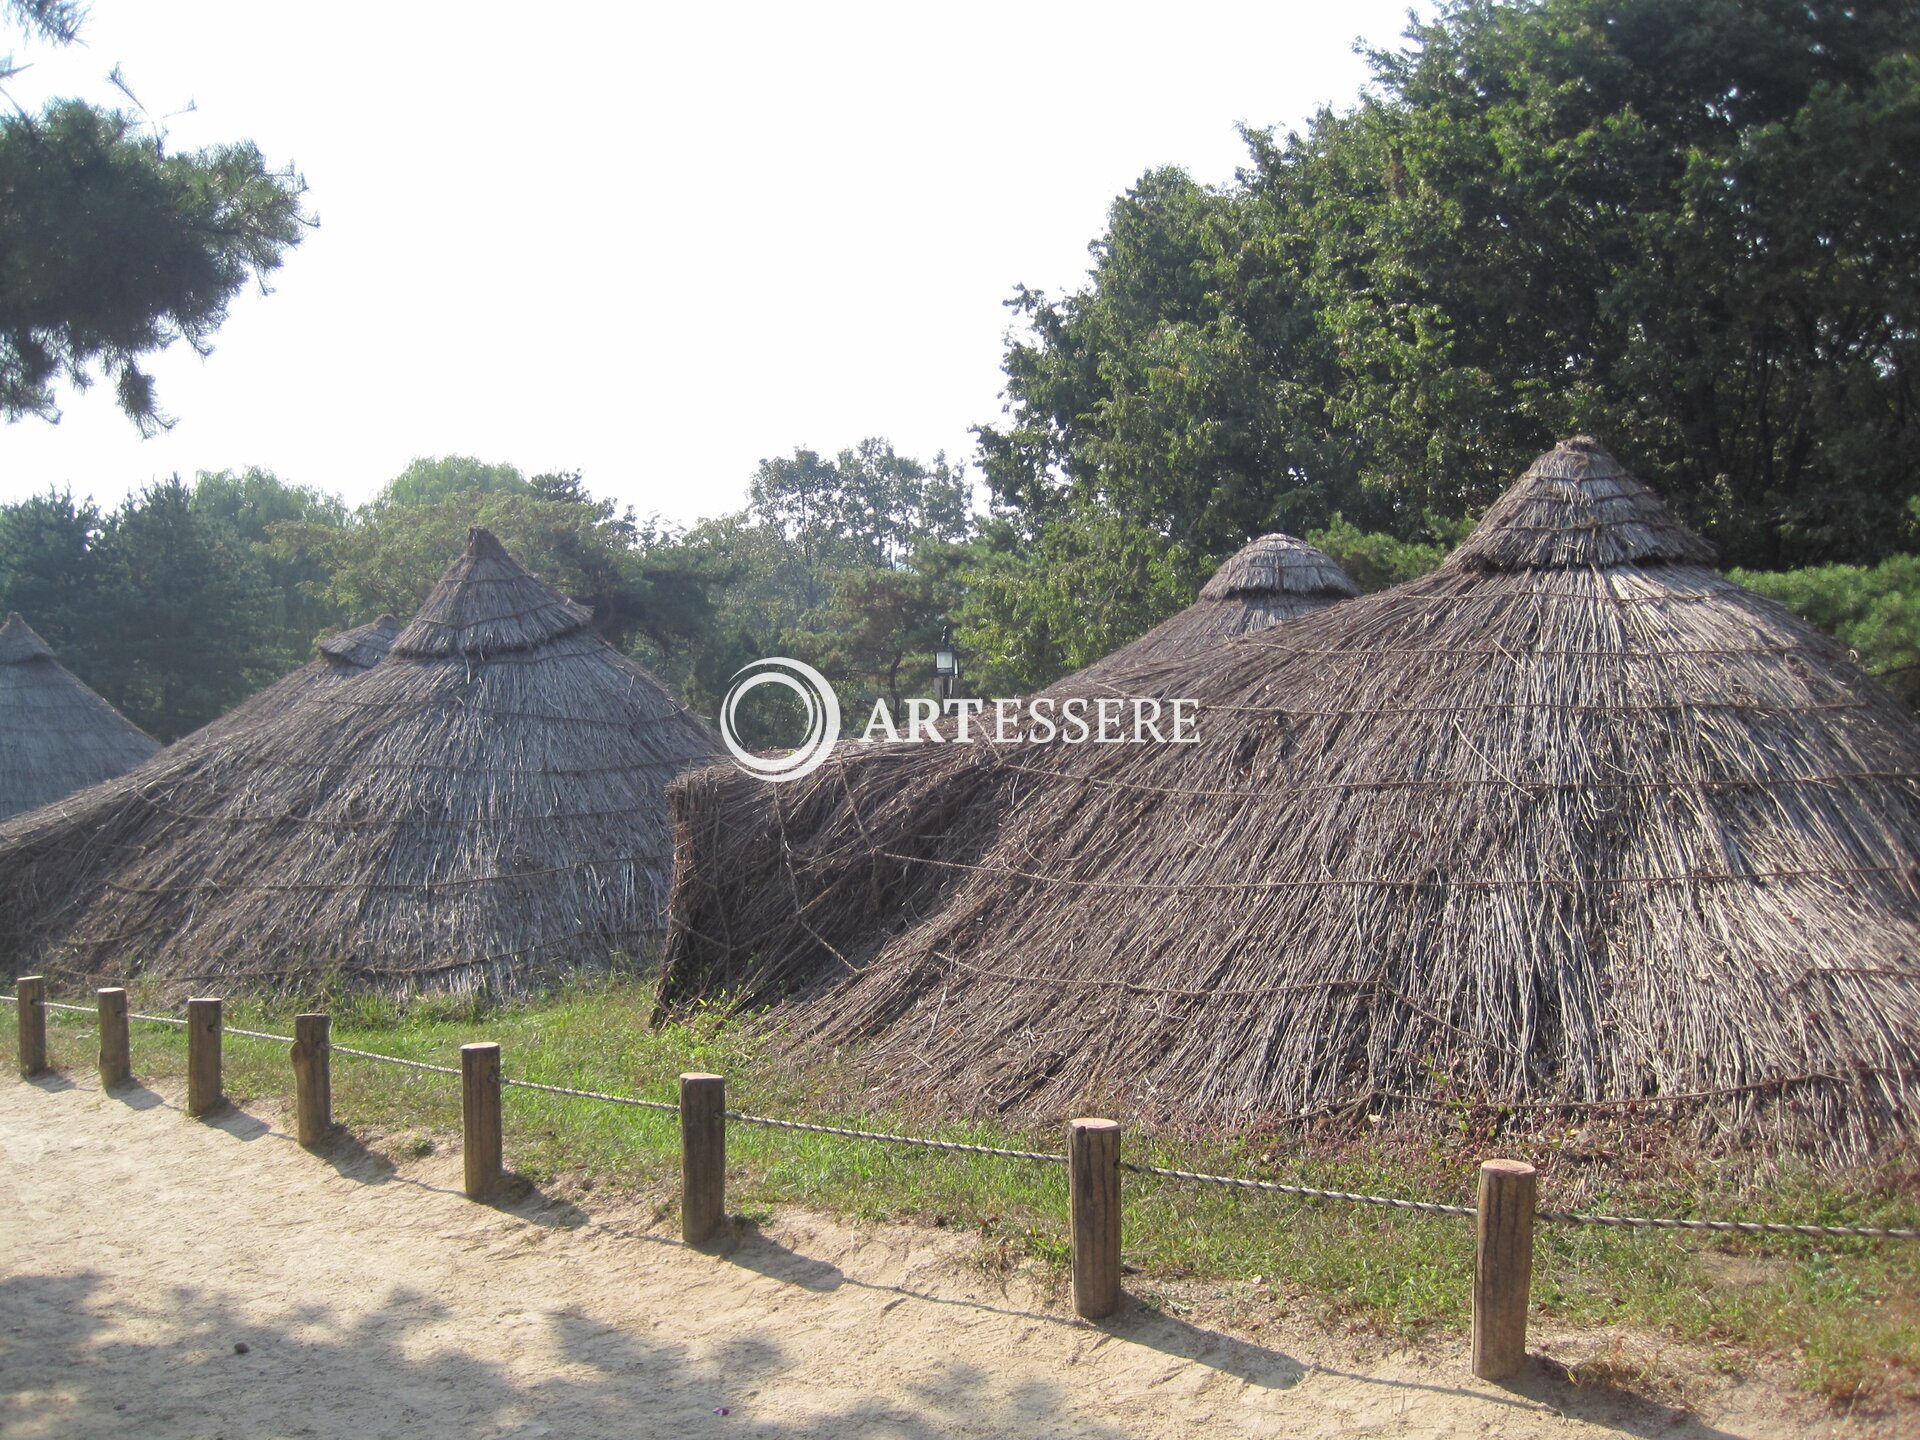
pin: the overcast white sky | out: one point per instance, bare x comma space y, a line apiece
655, 244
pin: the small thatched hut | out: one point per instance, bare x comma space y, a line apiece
1267, 581
56, 735
1573, 823
482, 809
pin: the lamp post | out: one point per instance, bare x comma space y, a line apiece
946, 670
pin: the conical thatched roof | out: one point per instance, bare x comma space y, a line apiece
1269, 580
338, 657
484, 808
56, 735
1573, 823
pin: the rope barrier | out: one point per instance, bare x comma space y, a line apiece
1305, 1192
393, 1060
1738, 1227
591, 1095
255, 1034
1042, 1156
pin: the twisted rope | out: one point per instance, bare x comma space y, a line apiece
1307, 1192
1739, 1227
256, 1034
393, 1060
959, 1146
591, 1095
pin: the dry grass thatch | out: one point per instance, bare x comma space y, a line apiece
1269, 580
1573, 823
56, 735
337, 658
484, 808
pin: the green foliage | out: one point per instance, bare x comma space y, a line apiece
1873, 610
390, 555
1036, 607
879, 631
252, 503
162, 605
1375, 561
184, 627
434, 480
865, 509
1689, 229
49, 572
848, 563
112, 248
1183, 390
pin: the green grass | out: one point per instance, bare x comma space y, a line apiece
1845, 1312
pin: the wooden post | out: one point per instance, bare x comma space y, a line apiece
116, 1050
30, 996
480, 1117
204, 1095
1502, 1268
313, 1077
703, 1156
1093, 1179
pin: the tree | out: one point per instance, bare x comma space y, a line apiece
1184, 389
1035, 608
389, 555
111, 248
868, 508
879, 632
431, 480
253, 504
48, 572
1690, 229
1874, 610
185, 613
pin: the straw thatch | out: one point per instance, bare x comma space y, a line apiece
56, 735
1573, 824
1269, 580
337, 658
482, 809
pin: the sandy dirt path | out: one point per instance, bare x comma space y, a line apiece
140, 1250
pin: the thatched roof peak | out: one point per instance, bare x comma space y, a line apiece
1268, 581
18, 642
1577, 507
487, 604
364, 646
1278, 564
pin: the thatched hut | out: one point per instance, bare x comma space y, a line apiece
921, 797
482, 809
1269, 580
56, 735
1572, 824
